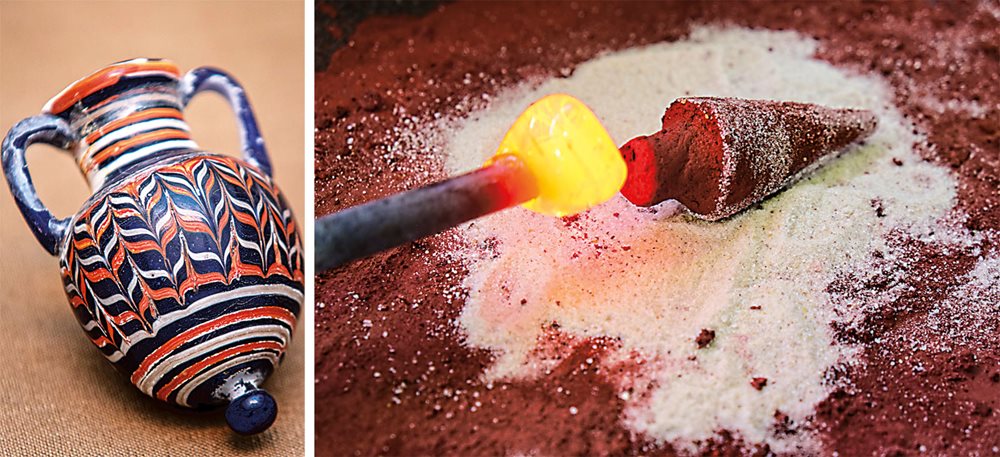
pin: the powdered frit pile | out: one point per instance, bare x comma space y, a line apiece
651, 280
394, 372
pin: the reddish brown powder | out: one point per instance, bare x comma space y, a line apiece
392, 375
705, 338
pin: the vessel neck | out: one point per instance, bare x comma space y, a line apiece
124, 114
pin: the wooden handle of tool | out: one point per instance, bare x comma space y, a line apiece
375, 226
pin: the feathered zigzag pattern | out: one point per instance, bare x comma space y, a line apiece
166, 251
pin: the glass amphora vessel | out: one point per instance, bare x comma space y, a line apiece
183, 267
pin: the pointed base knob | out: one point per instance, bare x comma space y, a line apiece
252, 412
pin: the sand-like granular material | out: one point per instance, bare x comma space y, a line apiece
653, 279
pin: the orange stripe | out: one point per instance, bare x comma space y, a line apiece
193, 370
162, 294
85, 243
124, 145
125, 212
101, 341
137, 247
97, 275
125, 317
195, 280
133, 118
106, 77
241, 268
175, 342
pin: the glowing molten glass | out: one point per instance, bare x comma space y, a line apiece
556, 159
575, 163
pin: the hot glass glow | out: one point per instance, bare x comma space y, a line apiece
575, 162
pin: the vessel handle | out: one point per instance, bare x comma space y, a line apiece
215, 80
47, 129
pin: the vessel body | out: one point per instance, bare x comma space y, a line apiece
186, 275
183, 267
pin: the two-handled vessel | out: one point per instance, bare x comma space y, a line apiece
183, 267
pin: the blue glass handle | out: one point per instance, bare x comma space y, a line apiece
215, 80
46, 129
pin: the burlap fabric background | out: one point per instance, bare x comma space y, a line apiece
58, 396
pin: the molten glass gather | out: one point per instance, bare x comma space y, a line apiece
573, 159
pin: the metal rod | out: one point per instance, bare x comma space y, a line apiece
375, 226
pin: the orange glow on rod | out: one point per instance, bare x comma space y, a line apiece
556, 159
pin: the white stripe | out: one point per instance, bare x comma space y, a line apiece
146, 188
129, 101
191, 215
112, 244
179, 181
180, 259
153, 273
101, 211
132, 286
219, 206
98, 175
200, 171
152, 73
122, 200
199, 351
244, 206
203, 256
139, 127
248, 244
198, 305
136, 232
162, 222
111, 300
90, 260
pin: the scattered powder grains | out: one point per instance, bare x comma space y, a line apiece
911, 362
681, 275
